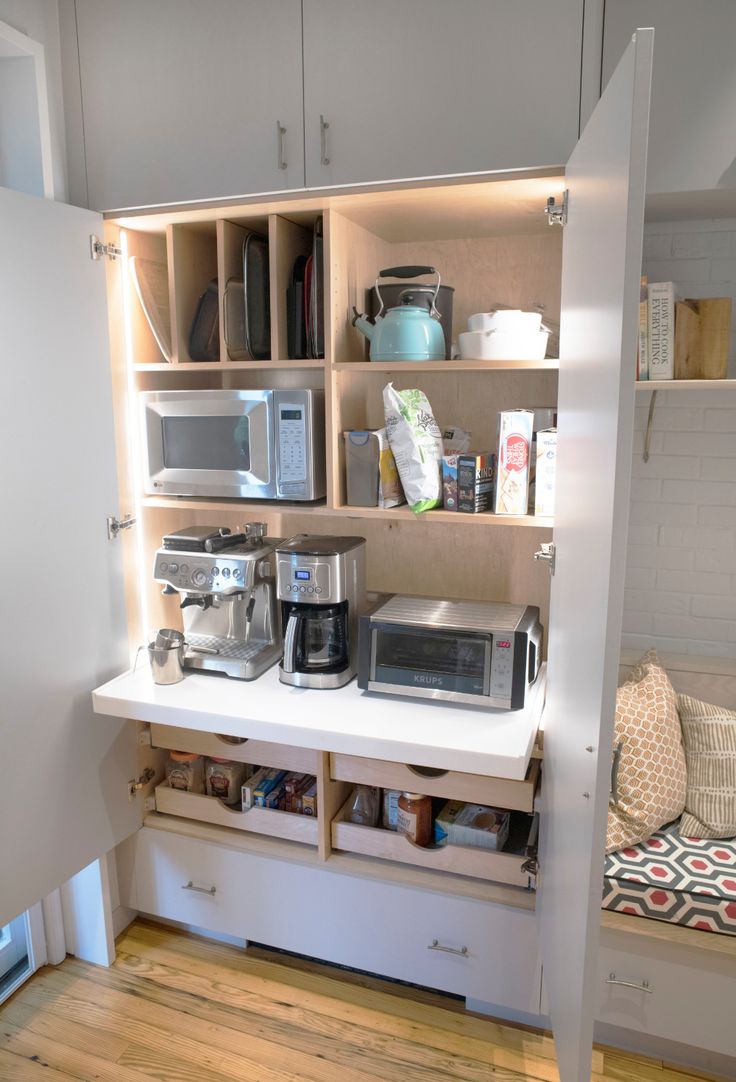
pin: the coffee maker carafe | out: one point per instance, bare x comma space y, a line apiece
321, 587
227, 586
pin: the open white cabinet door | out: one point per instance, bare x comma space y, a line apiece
601, 266
64, 797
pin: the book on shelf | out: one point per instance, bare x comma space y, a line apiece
642, 363
661, 325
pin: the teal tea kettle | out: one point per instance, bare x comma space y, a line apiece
409, 332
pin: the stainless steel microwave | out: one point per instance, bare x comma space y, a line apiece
478, 652
266, 445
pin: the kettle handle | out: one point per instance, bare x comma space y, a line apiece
405, 272
408, 272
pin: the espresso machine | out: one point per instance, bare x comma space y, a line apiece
321, 587
226, 582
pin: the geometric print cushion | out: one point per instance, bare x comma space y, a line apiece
650, 773
688, 881
709, 735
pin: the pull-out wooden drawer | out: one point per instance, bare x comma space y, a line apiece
451, 784
460, 945
511, 868
209, 809
303, 760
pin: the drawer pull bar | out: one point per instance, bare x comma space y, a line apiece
199, 890
435, 945
643, 987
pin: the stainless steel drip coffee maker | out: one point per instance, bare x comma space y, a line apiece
227, 585
321, 587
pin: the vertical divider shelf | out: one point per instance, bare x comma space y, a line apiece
331, 795
286, 241
192, 260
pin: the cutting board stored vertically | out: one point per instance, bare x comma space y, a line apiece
702, 330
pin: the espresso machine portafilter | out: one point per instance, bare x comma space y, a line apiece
227, 585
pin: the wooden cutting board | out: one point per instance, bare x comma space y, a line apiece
702, 331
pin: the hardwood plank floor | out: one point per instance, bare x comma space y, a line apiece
176, 1008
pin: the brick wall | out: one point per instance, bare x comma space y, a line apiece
681, 570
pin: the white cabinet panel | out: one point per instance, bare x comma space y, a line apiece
181, 99
64, 795
601, 261
351, 920
680, 995
425, 88
692, 145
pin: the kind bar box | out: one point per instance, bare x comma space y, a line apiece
544, 497
472, 824
512, 481
476, 475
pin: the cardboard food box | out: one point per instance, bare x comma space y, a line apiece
514, 441
309, 800
476, 475
449, 482
544, 494
472, 824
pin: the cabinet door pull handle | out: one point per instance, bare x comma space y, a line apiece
199, 890
435, 945
281, 132
323, 126
643, 987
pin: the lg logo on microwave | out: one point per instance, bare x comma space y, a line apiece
428, 680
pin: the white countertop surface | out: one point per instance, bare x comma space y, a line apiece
422, 732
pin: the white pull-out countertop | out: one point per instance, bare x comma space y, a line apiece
426, 733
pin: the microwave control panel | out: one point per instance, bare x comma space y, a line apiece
292, 444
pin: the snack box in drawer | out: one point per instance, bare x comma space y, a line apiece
208, 809
260, 752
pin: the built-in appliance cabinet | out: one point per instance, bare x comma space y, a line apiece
490, 236
183, 101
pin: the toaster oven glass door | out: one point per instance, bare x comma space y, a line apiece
435, 660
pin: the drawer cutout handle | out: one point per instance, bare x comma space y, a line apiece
435, 945
426, 771
643, 987
231, 739
211, 891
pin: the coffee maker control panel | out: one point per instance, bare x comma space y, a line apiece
307, 579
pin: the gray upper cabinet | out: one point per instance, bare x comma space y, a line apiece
422, 88
692, 140
181, 100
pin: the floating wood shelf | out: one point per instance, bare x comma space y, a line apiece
686, 385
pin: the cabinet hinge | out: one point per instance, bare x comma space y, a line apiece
99, 250
135, 786
547, 553
144, 738
115, 525
557, 214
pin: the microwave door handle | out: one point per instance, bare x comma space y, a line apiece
290, 639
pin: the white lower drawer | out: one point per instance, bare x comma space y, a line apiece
490, 950
680, 995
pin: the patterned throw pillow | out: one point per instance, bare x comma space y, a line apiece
709, 733
649, 788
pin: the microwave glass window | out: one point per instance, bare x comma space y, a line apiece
455, 655
206, 443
